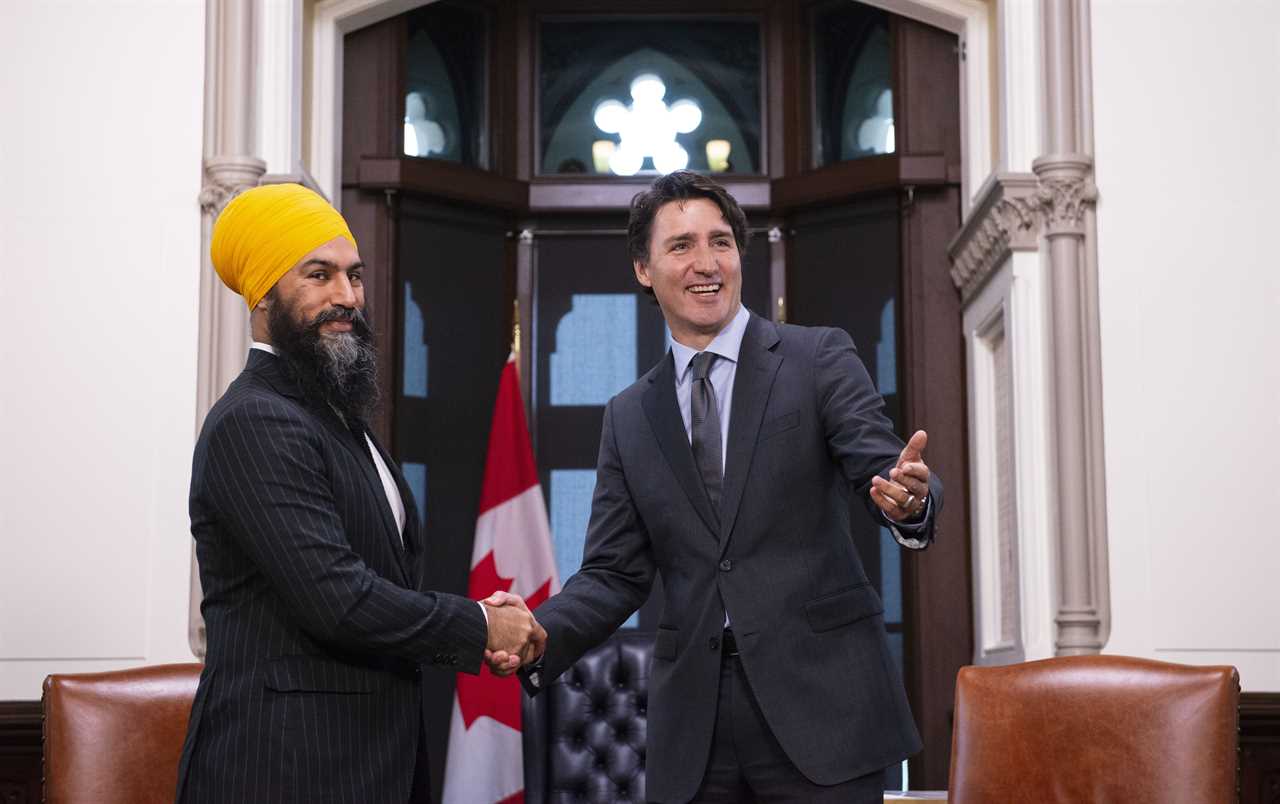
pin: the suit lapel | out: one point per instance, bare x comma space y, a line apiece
360, 452
269, 368
668, 427
412, 533
752, 384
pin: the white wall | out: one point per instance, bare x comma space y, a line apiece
100, 143
1187, 127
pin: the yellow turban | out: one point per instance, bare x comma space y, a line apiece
265, 231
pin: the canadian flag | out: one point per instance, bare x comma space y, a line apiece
512, 553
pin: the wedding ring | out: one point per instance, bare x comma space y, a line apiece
911, 500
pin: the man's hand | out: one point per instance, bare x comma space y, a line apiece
902, 497
515, 638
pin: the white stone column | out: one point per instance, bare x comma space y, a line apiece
230, 165
1027, 256
1066, 179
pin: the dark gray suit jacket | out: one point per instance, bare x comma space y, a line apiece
806, 430
316, 623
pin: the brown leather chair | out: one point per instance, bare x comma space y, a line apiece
116, 737
1095, 729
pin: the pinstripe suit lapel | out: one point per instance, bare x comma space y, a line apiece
360, 453
269, 368
413, 543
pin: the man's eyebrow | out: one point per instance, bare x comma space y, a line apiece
330, 264
676, 238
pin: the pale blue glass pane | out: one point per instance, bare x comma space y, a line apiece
893, 778
595, 354
570, 512
890, 576
895, 649
415, 477
415, 347
886, 360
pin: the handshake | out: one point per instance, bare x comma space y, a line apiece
515, 638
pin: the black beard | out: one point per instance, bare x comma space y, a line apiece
338, 370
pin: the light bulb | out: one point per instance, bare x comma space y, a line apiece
685, 115
601, 150
718, 155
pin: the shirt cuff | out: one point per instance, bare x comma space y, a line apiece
904, 533
485, 611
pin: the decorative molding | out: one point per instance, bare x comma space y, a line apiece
1006, 217
1012, 211
227, 176
1066, 192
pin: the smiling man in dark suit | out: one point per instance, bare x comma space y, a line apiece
311, 558
727, 469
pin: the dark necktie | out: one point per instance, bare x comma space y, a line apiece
705, 419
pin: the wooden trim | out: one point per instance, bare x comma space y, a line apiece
609, 193
1259, 747
873, 174
21, 751
593, 8
1260, 715
441, 179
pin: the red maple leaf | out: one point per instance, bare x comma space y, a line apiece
487, 695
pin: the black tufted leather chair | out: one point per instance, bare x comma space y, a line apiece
584, 736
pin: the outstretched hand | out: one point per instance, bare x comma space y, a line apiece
904, 495
515, 637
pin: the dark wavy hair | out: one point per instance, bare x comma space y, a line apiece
679, 186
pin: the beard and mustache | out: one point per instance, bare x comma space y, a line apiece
339, 369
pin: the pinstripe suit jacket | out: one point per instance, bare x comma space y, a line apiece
316, 623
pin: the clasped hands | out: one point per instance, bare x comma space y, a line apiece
515, 638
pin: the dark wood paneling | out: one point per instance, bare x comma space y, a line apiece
1260, 748
372, 97
936, 583
20, 752
441, 179
873, 174
579, 195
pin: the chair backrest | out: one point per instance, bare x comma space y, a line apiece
117, 736
1095, 729
584, 736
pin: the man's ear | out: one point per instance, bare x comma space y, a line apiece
642, 273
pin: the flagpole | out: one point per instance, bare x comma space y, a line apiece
515, 332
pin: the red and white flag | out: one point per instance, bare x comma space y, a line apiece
512, 553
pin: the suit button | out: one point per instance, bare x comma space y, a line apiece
453, 660
726, 565
714, 643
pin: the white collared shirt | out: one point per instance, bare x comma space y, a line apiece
725, 346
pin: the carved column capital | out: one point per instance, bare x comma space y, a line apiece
225, 176
1014, 209
1066, 190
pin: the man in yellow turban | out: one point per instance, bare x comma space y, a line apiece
310, 553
